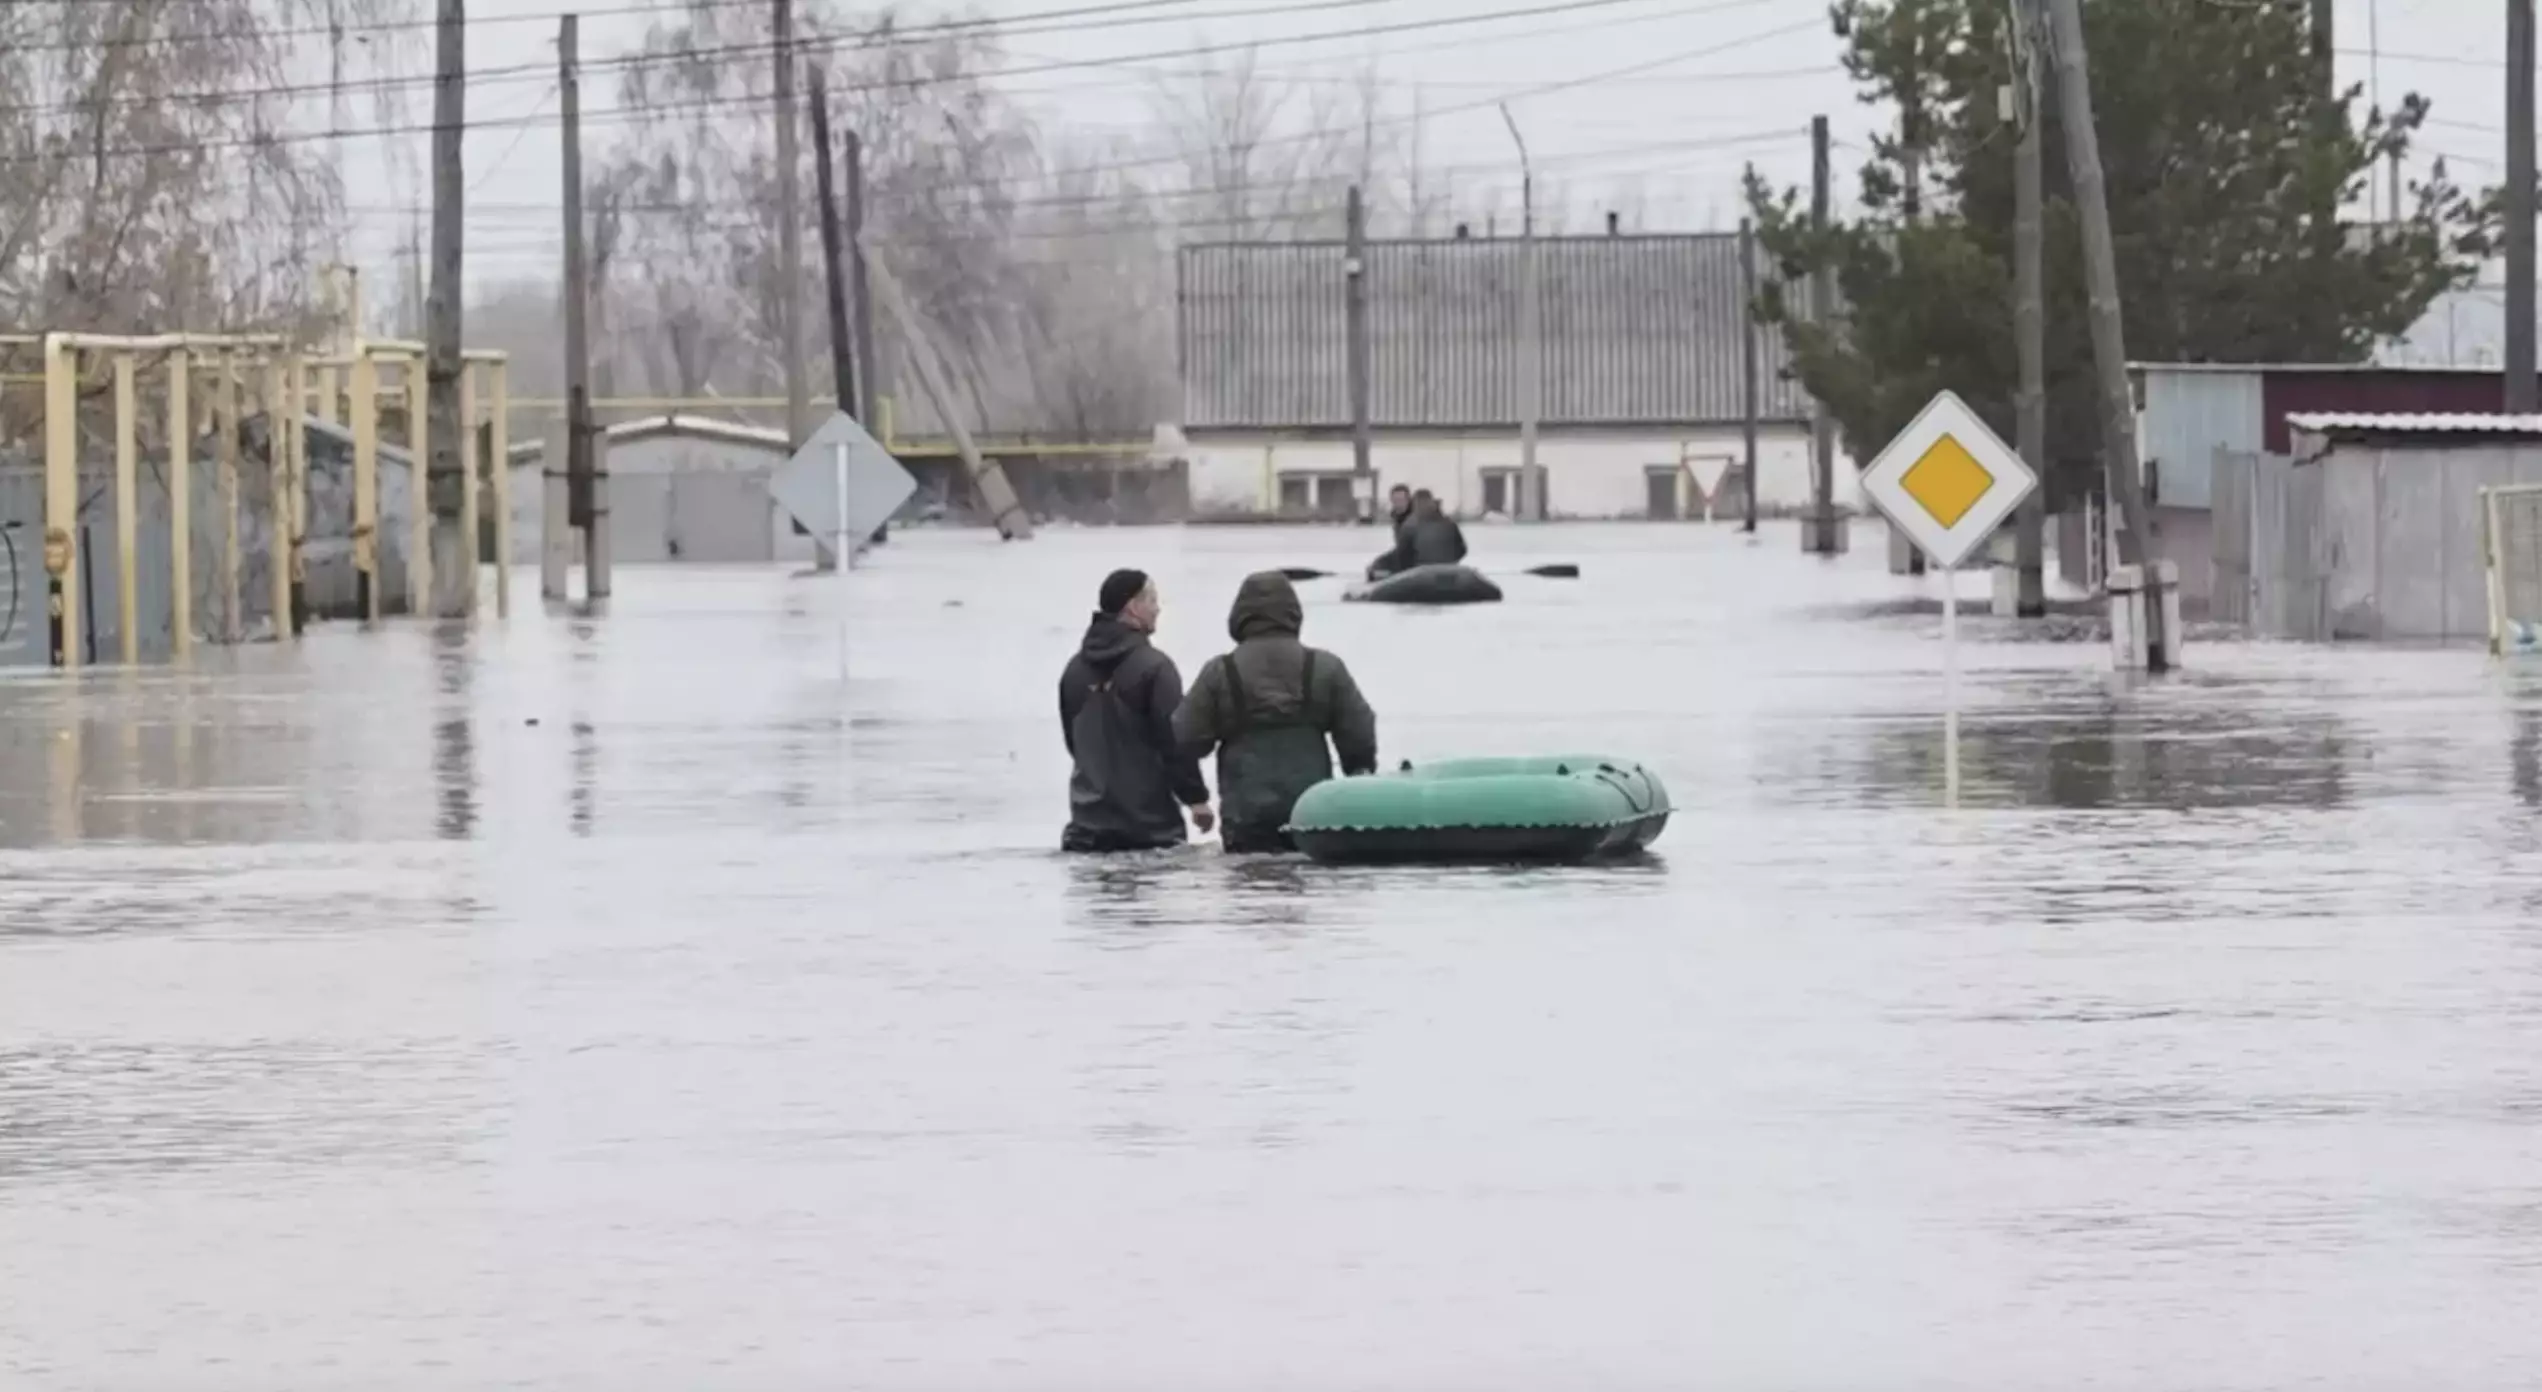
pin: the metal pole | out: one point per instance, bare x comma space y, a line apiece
1950, 686
2029, 319
1818, 534
790, 236
1748, 334
1531, 363
1355, 273
2519, 209
2109, 338
841, 545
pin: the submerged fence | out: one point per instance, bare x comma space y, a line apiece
251, 470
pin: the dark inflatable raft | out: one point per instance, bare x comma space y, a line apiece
1430, 584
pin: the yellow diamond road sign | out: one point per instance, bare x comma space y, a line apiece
1947, 481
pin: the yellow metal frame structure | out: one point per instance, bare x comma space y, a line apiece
277, 375
361, 369
884, 435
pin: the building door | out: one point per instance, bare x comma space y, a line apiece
1333, 498
1659, 484
1296, 494
1500, 491
720, 518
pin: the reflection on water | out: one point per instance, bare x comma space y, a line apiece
358, 1014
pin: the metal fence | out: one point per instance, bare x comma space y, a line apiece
328, 555
1635, 331
2370, 541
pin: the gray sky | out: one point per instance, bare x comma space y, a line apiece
1637, 90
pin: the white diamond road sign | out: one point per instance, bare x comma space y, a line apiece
1947, 481
807, 486
1709, 470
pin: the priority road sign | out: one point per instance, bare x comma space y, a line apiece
1947, 481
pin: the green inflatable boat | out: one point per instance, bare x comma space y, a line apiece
1565, 808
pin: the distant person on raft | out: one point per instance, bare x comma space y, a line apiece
1399, 515
1430, 537
1131, 784
1267, 709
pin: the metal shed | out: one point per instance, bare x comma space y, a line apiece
2370, 528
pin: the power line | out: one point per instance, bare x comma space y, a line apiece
547, 18
752, 102
486, 77
548, 212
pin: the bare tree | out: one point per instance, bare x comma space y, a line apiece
149, 175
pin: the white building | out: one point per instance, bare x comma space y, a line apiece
1642, 393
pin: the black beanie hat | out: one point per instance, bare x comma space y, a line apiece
1119, 588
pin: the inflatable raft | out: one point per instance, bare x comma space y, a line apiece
1565, 808
1430, 584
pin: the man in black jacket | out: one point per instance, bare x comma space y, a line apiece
1117, 698
1268, 708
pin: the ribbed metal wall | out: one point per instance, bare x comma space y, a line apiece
1636, 331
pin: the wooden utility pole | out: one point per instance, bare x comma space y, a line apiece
1818, 531
869, 376
2519, 209
1748, 368
833, 272
790, 236
2126, 478
1355, 353
2029, 315
579, 500
453, 581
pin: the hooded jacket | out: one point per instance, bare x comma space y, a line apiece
1116, 712
1267, 708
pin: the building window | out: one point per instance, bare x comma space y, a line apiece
1500, 491
1317, 494
1659, 488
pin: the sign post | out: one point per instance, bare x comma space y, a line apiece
1947, 482
841, 484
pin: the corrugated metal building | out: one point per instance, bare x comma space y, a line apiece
1641, 349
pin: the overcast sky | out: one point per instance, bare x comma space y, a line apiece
1666, 98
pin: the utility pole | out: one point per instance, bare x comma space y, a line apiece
2109, 338
1531, 359
444, 310
2519, 212
577, 488
2029, 316
869, 371
790, 237
1355, 352
1819, 534
833, 275
1748, 364
1905, 557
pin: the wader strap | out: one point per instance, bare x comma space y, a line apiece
1242, 718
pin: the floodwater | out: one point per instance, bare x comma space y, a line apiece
626, 1003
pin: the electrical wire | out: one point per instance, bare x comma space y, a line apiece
605, 115
808, 43
546, 17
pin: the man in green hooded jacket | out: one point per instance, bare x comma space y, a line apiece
1268, 708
